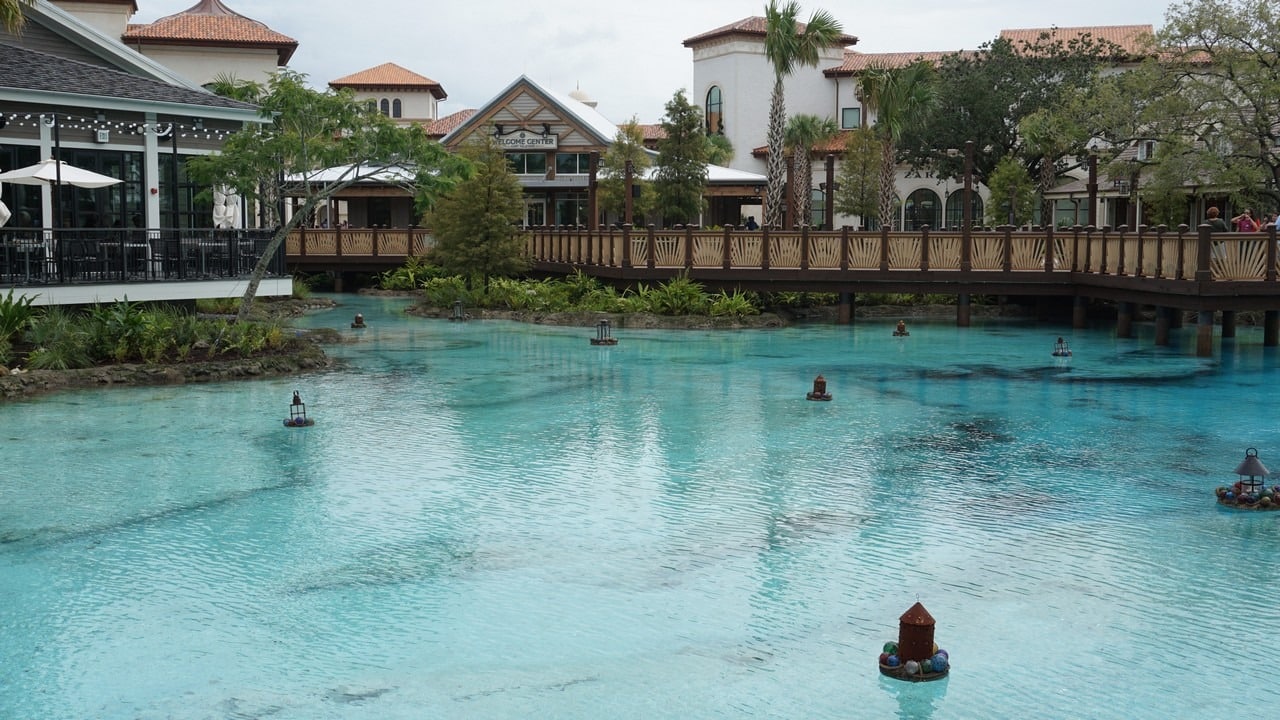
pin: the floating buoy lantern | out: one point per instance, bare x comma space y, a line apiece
1250, 491
604, 334
914, 657
458, 315
901, 330
819, 391
298, 413
1061, 349
358, 322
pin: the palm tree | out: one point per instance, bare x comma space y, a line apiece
11, 18
896, 97
787, 46
803, 133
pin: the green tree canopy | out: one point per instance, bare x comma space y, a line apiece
306, 132
898, 97
1013, 195
476, 223
681, 175
628, 145
859, 177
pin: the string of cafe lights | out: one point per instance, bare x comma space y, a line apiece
77, 122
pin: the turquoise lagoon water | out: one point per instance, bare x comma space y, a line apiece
497, 520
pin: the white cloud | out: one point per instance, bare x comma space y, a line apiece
627, 55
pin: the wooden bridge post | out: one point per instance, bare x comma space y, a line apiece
1049, 247
1160, 231
1204, 332
924, 247
1271, 328
804, 247
1123, 229
1075, 248
1006, 253
726, 248
844, 247
845, 314
1204, 249
1124, 320
626, 245
1271, 253
651, 248
884, 248
1228, 324
1162, 325
302, 240
966, 240
1106, 238
613, 257
1142, 240
688, 247
1182, 252
764, 247
1088, 249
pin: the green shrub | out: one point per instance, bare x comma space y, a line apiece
679, 296
443, 292
15, 314
739, 304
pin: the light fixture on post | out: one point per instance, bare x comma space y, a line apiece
1092, 185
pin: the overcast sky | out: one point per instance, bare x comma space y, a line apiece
626, 54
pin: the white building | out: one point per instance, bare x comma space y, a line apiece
402, 95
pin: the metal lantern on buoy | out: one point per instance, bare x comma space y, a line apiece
457, 311
915, 657
819, 391
604, 334
1253, 474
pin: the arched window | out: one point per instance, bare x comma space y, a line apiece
715, 117
395, 108
922, 208
955, 209
385, 107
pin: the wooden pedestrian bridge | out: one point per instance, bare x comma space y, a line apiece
1173, 270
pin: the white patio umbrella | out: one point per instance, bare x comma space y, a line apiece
49, 173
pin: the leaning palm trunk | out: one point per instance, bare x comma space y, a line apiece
803, 177
775, 164
887, 168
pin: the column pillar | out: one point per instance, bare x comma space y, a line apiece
1079, 312
963, 310
1162, 325
1204, 333
1176, 317
1271, 328
845, 315
1124, 320
1228, 324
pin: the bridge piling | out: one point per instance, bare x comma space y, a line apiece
1079, 312
1124, 320
1228, 324
1204, 334
1162, 325
1271, 328
845, 309
964, 310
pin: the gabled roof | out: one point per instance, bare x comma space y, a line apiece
856, 62
392, 77
440, 127
1133, 40
211, 23
752, 27
40, 75
588, 117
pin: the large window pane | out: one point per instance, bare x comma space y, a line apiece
850, 117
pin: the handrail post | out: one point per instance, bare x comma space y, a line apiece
966, 247
924, 247
884, 248
1142, 240
1204, 251
375, 241
626, 245
804, 247
302, 240
1006, 253
1102, 267
337, 247
1123, 230
844, 247
765, 242
688, 247
1050, 246
726, 257
1182, 251
651, 248
1088, 248
1160, 231
1075, 247
1271, 253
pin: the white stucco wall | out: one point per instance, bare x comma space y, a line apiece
108, 19
419, 105
202, 65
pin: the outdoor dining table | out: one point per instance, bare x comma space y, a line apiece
28, 254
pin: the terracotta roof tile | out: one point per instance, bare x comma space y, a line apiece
447, 124
390, 75
1133, 40
752, 26
652, 132
209, 22
855, 62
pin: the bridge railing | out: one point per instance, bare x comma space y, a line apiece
358, 242
1181, 253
